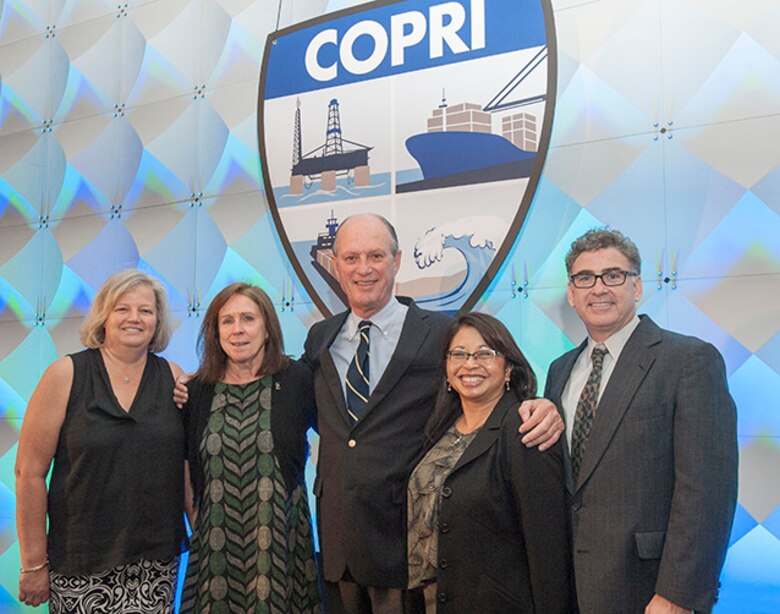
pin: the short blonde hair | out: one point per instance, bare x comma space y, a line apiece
93, 330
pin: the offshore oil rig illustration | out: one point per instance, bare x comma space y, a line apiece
330, 160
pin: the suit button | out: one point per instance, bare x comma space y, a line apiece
443, 564
576, 506
443, 597
444, 527
446, 491
352, 443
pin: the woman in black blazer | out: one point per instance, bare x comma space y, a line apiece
488, 528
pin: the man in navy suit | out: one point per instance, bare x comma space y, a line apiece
366, 455
651, 427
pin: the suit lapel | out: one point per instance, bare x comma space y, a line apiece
488, 434
557, 387
328, 367
631, 368
567, 364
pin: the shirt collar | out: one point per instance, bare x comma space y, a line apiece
617, 341
382, 319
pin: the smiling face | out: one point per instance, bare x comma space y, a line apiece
242, 333
479, 385
604, 310
133, 319
365, 265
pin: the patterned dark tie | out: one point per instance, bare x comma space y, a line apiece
586, 408
357, 374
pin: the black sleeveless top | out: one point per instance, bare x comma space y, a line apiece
117, 486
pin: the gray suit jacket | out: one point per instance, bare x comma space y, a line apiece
654, 502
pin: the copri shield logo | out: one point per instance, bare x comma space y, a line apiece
436, 115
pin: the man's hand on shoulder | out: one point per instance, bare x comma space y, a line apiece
542, 424
180, 392
660, 605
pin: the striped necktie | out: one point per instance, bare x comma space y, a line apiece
357, 374
586, 409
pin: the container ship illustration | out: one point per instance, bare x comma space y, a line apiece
460, 148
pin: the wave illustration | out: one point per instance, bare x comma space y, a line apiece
476, 239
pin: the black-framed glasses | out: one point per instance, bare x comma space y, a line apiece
616, 277
482, 357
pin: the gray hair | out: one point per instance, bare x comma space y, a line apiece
603, 238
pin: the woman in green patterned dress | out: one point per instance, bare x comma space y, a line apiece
248, 411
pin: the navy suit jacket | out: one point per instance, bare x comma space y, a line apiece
363, 468
654, 501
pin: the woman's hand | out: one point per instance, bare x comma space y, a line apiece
34, 587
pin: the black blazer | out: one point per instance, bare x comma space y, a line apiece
503, 525
362, 469
292, 413
654, 502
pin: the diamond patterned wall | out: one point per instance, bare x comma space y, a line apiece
128, 138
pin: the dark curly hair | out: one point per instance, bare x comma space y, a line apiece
603, 238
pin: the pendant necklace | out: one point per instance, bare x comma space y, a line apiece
115, 362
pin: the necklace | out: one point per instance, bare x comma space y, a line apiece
461, 436
460, 433
125, 378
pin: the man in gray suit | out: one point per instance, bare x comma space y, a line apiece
651, 427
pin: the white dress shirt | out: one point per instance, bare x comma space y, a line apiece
383, 336
583, 366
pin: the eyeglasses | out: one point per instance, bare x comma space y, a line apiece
616, 277
483, 358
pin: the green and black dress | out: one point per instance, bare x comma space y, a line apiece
251, 549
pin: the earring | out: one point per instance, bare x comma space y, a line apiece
449, 387
507, 385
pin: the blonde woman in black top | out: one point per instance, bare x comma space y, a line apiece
105, 418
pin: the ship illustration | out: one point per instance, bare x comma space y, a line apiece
329, 161
321, 254
460, 148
